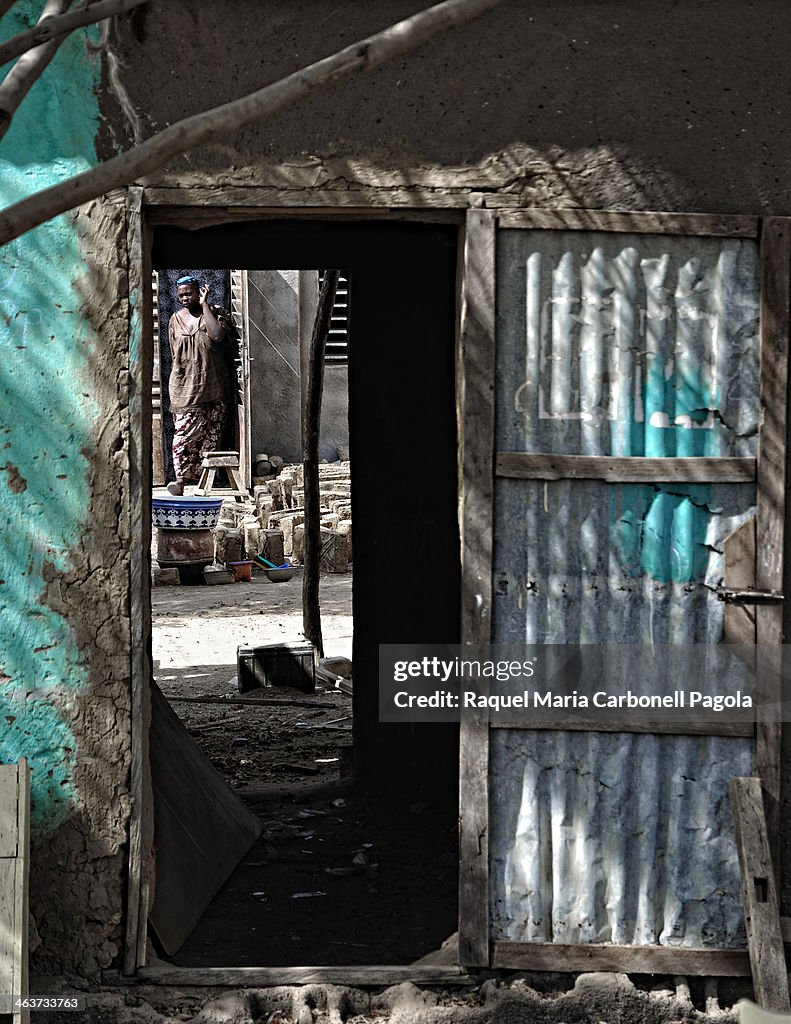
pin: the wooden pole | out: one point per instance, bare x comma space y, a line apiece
759, 893
311, 612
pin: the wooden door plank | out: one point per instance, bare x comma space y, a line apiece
552, 956
7, 923
8, 811
476, 433
775, 262
15, 825
602, 720
202, 828
759, 892
620, 469
141, 358
476, 426
739, 555
695, 224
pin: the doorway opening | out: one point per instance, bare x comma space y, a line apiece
362, 869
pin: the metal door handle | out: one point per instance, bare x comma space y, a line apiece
733, 596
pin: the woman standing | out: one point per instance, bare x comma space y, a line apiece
200, 379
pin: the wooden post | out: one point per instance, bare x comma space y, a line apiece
770, 526
759, 893
311, 612
14, 854
476, 429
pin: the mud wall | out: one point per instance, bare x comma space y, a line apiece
631, 106
64, 560
553, 104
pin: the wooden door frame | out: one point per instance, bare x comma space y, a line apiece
147, 208
480, 464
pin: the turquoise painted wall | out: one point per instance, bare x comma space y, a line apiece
47, 419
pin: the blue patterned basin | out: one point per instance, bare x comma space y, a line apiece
187, 513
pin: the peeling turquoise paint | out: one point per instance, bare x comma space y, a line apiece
47, 420
660, 531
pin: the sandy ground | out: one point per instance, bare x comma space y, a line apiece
336, 877
196, 633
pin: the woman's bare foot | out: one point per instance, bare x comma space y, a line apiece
176, 488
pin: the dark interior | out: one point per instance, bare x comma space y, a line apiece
403, 441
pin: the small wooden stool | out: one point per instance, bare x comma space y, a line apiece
229, 461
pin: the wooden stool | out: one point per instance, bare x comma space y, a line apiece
229, 461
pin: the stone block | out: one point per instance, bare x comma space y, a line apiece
265, 505
227, 545
298, 544
252, 538
287, 481
276, 491
287, 524
334, 552
272, 546
345, 529
165, 577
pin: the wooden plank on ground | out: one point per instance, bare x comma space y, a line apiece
263, 977
759, 893
694, 224
551, 956
14, 870
263, 702
616, 469
7, 921
8, 812
201, 828
775, 262
22, 886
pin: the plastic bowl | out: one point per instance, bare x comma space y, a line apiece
279, 575
187, 513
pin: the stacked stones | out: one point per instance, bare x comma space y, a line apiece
272, 525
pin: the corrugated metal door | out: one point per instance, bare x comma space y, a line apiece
624, 378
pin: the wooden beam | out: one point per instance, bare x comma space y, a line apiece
140, 424
361, 199
193, 217
14, 871
619, 469
476, 426
579, 721
759, 893
476, 432
694, 224
263, 702
550, 956
311, 613
265, 977
775, 263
